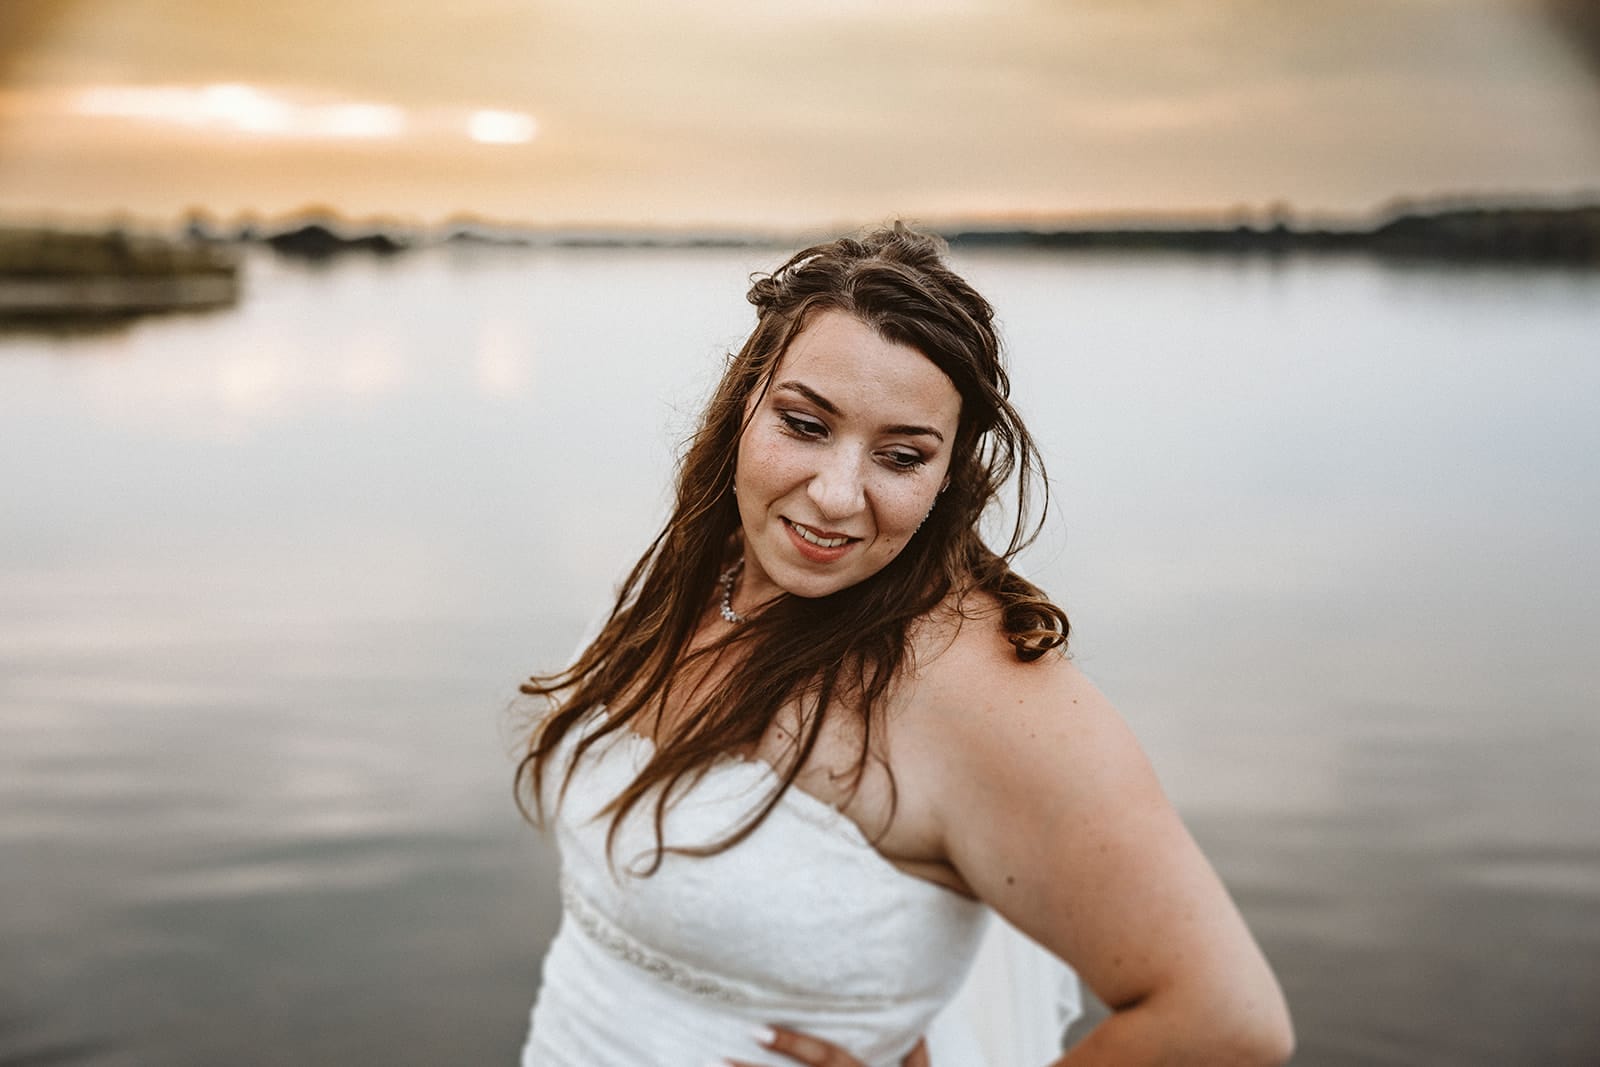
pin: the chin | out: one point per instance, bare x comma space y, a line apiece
816, 586
811, 587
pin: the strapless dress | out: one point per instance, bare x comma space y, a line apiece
803, 924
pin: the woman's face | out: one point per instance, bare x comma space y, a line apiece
841, 459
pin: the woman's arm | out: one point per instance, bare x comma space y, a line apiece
1052, 814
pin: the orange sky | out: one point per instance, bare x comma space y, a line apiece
763, 113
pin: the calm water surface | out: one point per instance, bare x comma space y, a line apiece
268, 579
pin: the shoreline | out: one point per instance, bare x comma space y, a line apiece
48, 275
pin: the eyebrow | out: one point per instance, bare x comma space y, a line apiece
833, 409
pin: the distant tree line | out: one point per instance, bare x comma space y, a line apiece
1558, 235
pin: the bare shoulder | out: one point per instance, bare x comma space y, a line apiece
971, 687
1032, 746
990, 732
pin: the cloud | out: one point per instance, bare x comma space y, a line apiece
247, 110
258, 112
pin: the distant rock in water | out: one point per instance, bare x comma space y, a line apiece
63, 275
316, 241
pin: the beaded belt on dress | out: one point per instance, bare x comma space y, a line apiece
604, 933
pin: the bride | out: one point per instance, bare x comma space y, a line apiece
825, 731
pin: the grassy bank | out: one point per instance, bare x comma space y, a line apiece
63, 274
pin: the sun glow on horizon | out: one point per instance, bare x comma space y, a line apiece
501, 127
251, 111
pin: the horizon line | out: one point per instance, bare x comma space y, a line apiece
1254, 216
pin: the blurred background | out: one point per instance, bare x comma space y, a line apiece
345, 350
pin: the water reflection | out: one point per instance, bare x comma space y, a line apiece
267, 580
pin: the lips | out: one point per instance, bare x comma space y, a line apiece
819, 546
820, 538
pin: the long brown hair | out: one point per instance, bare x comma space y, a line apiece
839, 653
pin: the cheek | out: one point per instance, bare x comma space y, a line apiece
765, 466
901, 508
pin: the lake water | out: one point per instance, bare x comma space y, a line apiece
269, 577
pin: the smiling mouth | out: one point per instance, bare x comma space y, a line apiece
813, 537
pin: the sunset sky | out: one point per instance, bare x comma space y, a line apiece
777, 114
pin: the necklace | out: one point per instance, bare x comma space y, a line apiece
730, 576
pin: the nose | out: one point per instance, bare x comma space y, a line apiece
838, 488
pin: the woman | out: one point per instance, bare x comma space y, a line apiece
825, 728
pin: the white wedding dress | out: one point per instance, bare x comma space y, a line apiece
803, 924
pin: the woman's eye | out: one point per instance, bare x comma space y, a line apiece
802, 427
904, 461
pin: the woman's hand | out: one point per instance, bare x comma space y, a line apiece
815, 1052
